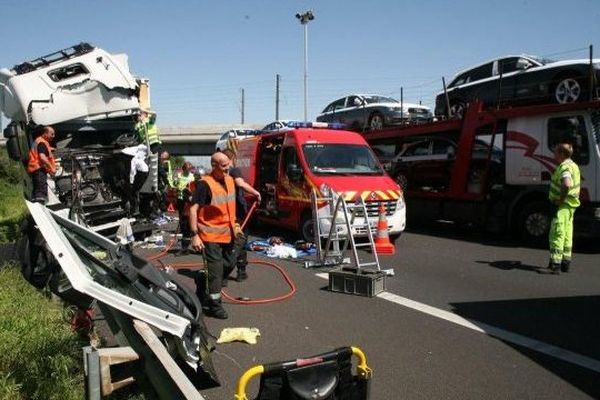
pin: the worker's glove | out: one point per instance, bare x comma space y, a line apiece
553, 209
237, 230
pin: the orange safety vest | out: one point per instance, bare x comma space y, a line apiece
34, 162
217, 219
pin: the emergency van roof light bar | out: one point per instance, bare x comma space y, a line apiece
316, 125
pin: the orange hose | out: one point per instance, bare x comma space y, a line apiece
286, 296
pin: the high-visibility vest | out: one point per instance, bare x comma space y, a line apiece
182, 182
216, 220
169, 174
147, 127
34, 162
572, 199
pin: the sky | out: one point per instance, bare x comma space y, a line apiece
199, 55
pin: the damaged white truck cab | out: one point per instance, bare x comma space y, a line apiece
92, 100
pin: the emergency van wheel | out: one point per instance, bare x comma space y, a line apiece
376, 121
307, 228
534, 222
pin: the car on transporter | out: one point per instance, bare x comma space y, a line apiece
519, 79
372, 112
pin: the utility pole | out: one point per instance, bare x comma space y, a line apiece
304, 19
401, 103
277, 98
243, 105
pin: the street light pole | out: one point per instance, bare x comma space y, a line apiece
304, 19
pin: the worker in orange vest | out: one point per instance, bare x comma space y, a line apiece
41, 163
212, 227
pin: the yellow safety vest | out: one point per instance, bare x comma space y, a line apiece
572, 199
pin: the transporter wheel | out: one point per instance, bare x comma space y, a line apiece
567, 90
402, 181
534, 223
376, 121
457, 109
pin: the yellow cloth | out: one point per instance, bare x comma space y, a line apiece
247, 335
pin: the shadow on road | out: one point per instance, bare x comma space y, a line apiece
509, 265
570, 323
473, 234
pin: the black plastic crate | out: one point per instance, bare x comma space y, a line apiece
363, 283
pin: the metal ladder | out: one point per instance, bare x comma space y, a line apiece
332, 253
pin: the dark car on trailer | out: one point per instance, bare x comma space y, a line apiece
521, 79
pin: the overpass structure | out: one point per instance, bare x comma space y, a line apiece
198, 140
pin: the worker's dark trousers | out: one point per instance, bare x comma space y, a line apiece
184, 224
39, 180
241, 255
220, 260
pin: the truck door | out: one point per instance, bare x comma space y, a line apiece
577, 130
527, 163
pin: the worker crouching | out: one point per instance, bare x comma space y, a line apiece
212, 224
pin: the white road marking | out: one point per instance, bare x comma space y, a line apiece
524, 341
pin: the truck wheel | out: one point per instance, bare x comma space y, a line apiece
36, 262
534, 223
307, 228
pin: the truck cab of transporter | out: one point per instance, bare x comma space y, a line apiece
92, 101
493, 167
286, 166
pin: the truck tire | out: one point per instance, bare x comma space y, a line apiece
534, 223
36, 261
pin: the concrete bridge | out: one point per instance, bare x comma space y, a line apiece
198, 140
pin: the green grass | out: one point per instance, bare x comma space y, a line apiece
12, 204
40, 357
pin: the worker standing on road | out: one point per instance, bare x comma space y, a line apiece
212, 223
146, 130
181, 183
564, 195
41, 163
241, 211
165, 178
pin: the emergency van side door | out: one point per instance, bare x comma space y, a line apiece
293, 193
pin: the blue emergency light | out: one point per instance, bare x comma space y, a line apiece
315, 125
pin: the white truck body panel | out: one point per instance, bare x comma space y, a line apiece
104, 90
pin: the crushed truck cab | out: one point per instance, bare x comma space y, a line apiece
285, 166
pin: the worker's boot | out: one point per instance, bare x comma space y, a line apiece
215, 309
554, 267
565, 265
241, 275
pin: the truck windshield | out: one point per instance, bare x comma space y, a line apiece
341, 159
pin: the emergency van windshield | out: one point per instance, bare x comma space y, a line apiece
341, 159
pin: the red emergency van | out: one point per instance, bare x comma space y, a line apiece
286, 166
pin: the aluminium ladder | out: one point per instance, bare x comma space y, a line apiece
332, 253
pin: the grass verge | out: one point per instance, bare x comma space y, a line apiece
12, 205
40, 357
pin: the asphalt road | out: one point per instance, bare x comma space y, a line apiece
497, 326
